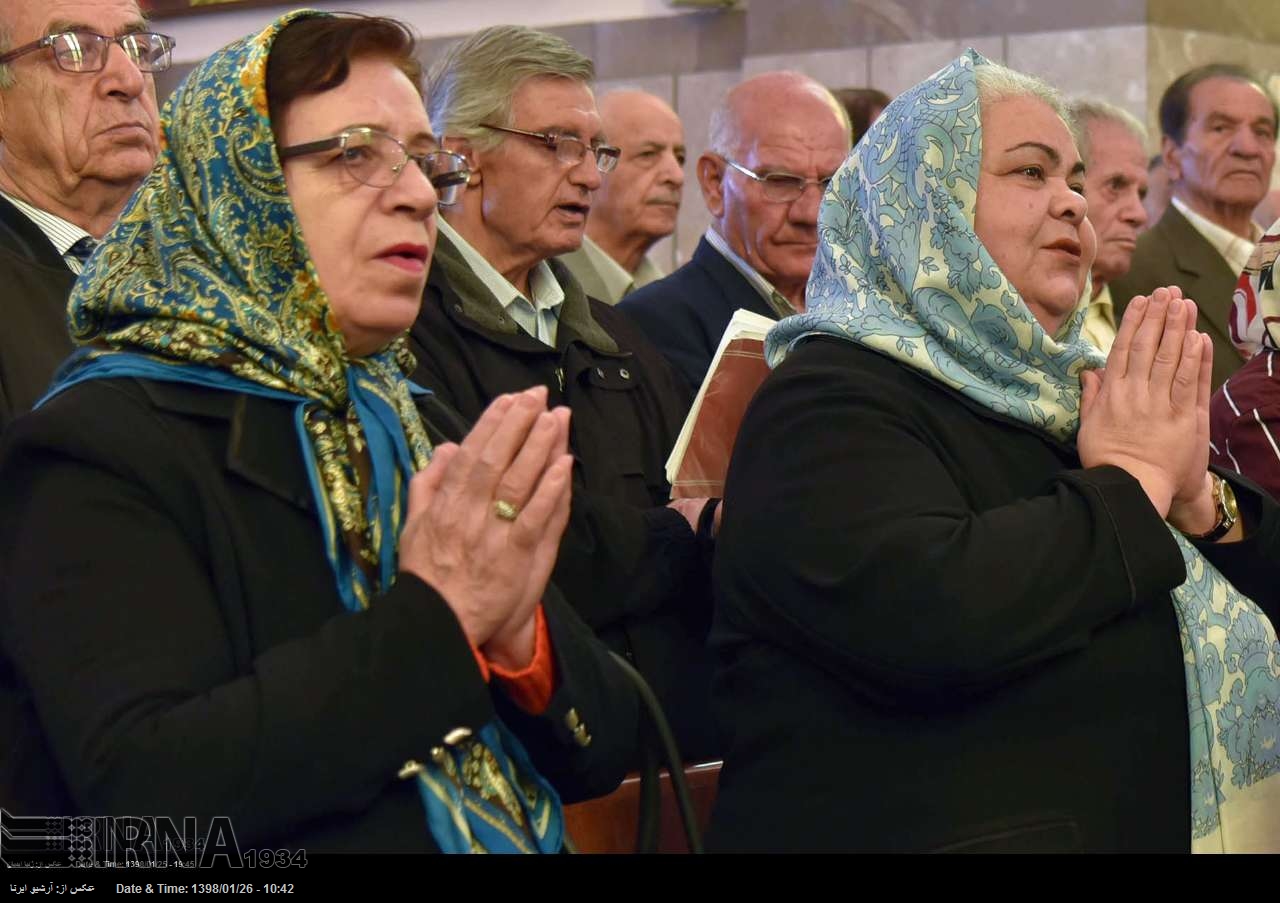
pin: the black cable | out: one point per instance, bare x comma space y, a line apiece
650, 820
675, 766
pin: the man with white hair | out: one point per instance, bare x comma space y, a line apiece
501, 314
79, 131
776, 141
638, 203
1112, 144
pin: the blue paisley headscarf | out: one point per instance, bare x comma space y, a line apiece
900, 270
206, 279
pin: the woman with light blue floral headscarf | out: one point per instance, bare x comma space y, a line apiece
975, 592
239, 580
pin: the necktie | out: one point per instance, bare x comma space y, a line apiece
79, 252
781, 306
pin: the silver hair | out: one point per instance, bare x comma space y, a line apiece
723, 134
6, 40
1085, 110
997, 82
474, 81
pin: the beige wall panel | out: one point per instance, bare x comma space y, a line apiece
696, 96
1172, 51
896, 67
833, 68
1107, 63
663, 86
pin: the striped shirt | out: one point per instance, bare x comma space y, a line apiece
1244, 422
61, 234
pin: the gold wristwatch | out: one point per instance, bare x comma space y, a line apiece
1224, 500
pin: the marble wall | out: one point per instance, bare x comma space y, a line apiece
1125, 51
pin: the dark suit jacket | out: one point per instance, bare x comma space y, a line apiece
1172, 252
935, 630
631, 566
686, 313
166, 604
34, 339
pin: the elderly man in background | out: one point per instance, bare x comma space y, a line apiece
638, 203
776, 140
500, 314
1219, 144
1112, 145
78, 132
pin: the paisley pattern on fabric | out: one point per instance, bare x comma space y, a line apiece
504, 808
1232, 660
207, 266
206, 279
900, 270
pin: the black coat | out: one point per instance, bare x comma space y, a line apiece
632, 567
167, 607
685, 314
935, 630
34, 339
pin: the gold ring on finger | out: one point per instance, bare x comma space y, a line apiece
505, 510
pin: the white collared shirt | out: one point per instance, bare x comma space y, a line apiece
61, 234
771, 295
610, 276
1232, 248
539, 317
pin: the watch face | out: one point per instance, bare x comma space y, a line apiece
1229, 506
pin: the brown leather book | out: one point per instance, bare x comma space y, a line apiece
700, 459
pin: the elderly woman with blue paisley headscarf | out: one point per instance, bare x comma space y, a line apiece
974, 593
233, 585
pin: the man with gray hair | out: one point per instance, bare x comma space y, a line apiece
1112, 144
1218, 140
500, 314
78, 133
776, 141
638, 203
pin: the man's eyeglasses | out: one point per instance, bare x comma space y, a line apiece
781, 187
377, 159
568, 149
86, 51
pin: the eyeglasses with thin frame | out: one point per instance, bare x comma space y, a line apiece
86, 51
377, 159
568, 148
780, 187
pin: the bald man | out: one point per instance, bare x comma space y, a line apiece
639, 201
776, 140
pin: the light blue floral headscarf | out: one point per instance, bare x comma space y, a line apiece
900, 270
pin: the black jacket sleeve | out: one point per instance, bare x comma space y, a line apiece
111, 619
136, 660
1253, 564
588, 736
617, 560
